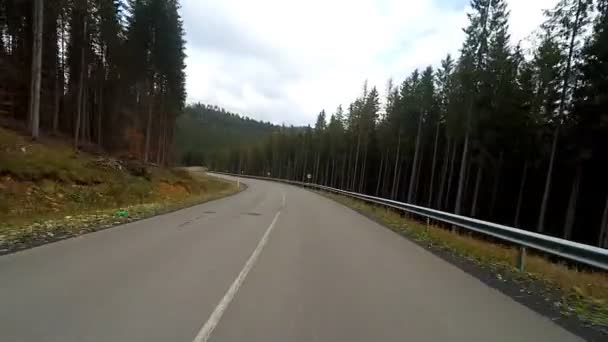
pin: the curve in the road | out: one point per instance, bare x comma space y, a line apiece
317, 271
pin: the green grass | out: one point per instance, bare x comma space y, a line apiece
47, 189
583, 293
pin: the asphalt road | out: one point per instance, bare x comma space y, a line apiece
273, 263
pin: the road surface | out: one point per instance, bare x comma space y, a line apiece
273, 263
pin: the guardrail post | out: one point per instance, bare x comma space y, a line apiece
521, 259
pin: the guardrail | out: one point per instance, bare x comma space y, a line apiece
585, 254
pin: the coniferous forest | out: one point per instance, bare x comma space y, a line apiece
501, 133
106, 74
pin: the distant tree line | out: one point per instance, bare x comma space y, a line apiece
511, 136
108, 73
205, 131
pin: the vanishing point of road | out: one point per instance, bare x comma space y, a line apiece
272, 263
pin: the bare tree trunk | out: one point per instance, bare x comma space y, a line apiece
463, 166
57, 102
396, 171
348, 172
99, 116
86, 132
149, 123
36, 77
418, 173
160, 135
363, 172
467, 180
603, 240
476, 192
380, 170
386, 177
58, 90
570, 213
354, 180
520, 197
80, 95
433, 165
543, 207
317, 162
562, 106
444, 174
326, 174
496, 184
410, 190
304, 170
451, 176
163, 122
165, 146
342, 174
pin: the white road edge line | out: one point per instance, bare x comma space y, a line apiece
205, 333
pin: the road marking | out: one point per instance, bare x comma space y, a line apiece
205, 333
283, 203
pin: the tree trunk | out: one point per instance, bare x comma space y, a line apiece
396, 171
354, 180
496, 184
418, 173
467, 180
36, 77
348, 171
80, 95
562, 107
543, 207
463, 166
85, 116
446, 202
363, 172
326, 174
399, 176
149, 123
433, 165
570, 213
343, 173
57, 102
386, 176
444, 174
380, 170
317, 166
410, 190
161, 123
58, 89
520, 197
603, 241
304, 170
476, 191
99, 115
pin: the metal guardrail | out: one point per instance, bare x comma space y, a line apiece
585, 254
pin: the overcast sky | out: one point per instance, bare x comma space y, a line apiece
285, 60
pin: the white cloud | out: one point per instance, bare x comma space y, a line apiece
284, 61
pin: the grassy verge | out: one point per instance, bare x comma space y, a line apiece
581, 293
49, 192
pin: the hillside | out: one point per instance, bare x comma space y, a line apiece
203, 130
48, 191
